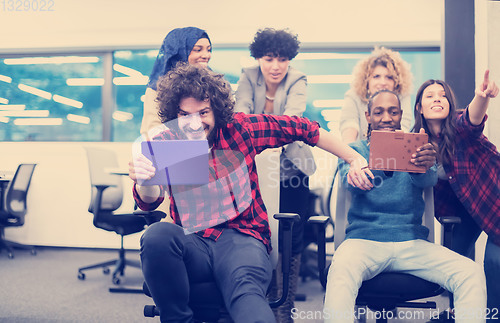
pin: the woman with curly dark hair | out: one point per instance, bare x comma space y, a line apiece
273, 87
468, 171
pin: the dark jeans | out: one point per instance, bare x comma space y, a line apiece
464, 238
238, 262
294, 198
492, 272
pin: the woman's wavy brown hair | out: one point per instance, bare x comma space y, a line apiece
381, 56
200, 83
446, 139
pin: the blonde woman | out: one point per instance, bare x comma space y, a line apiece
383, 69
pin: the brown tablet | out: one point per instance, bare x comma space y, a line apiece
392, 150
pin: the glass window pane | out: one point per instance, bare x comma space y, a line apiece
131, 71
329, 77
55, 98
59, 98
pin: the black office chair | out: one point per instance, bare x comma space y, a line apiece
389, 290
107, 195
319, 205
15, 207
206, 300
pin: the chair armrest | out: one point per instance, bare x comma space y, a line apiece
294, 217
320, 222
319, 219
445, 220
448, 222
151, 216
286, 221
96, 206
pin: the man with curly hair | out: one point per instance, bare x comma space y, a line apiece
235, 253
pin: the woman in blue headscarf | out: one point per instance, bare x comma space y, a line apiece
191, 45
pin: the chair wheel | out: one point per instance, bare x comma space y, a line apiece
81, 276
10, 255
105, 270
116, 280
33, 252
150, 311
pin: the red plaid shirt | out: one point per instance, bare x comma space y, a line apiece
474, 178
245, 137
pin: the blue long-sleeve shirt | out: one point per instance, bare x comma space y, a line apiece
392, 210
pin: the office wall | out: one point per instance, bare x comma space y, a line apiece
492, 53
131, 23
90, 25
59, 194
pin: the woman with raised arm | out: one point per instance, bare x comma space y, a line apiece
274, 87
468, 171
383, 69
188, 44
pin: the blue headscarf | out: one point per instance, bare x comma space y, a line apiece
176, 47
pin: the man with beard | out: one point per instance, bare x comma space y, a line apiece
234, 248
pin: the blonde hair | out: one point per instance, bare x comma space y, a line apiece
381, 56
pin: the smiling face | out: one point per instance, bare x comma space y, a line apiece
274, 69
196, 118
201, 52
434, 104
385, 113
380, 79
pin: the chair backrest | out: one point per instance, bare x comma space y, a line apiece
344, 202
327, 194
99, 161
267, 164
17, 191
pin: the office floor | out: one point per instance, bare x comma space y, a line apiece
45, 288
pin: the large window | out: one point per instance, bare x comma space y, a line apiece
329, 77
52, 98
100, 96
131, 70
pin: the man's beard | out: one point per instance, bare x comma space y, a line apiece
212, 135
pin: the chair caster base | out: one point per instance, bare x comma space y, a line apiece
151, 311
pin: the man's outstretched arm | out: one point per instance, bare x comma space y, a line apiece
358, 171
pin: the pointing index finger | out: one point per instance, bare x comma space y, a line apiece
486, 76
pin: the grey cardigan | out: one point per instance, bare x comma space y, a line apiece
290, 99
